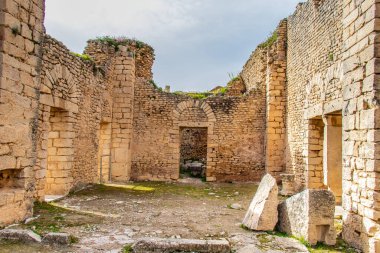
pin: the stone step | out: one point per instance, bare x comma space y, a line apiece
153, 245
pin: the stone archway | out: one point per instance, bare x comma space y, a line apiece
194, 114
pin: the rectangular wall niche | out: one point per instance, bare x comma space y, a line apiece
60, 153
193, 151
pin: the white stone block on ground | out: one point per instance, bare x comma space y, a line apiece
262, 214
309, 215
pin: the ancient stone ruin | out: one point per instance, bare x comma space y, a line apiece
305, 109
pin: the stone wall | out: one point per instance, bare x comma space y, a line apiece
235, 134
21, 36
314, 45
332, 92
361, 125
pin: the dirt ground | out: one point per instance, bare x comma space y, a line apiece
104, 218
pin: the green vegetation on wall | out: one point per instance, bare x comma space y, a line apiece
121, 41
84, 57
270, 41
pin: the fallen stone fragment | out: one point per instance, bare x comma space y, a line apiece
152, 245
262, 214
236, 206
57, 238
29, 220
22, 235
309, 215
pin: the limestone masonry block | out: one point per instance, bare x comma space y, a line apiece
262, 213
309, 215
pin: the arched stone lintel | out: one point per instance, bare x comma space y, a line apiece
194, 103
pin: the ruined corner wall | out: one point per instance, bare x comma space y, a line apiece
314, 46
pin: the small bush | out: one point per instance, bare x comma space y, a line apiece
120, 41
153, 83
270, 41
84, 57
73, 239
127, 248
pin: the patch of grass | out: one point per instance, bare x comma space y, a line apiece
340, 246
270, 41
73, 239
153, 83
84, 57
278, 234
43, 207
194, 95
331, 56
264, 238
242, 226
121, 41
163, 188
55, 219
127, 248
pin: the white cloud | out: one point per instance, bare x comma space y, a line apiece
197, 42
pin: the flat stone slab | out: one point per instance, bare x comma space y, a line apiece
157, 245
20, 235
52, 198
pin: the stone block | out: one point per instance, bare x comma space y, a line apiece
152, 245
19, 235
309, 215
56, 238
262, 213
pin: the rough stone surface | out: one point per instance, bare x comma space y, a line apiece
309, 215
260, 242
262, 213
57, 238
19, 235
153, 245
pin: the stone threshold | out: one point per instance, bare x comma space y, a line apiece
152, 245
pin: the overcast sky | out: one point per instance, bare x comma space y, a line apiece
197, 42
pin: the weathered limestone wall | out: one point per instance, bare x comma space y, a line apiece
276, 103
361, 125
21, 35
332, 85
254, 71
314, 49
68, 147
235, 134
